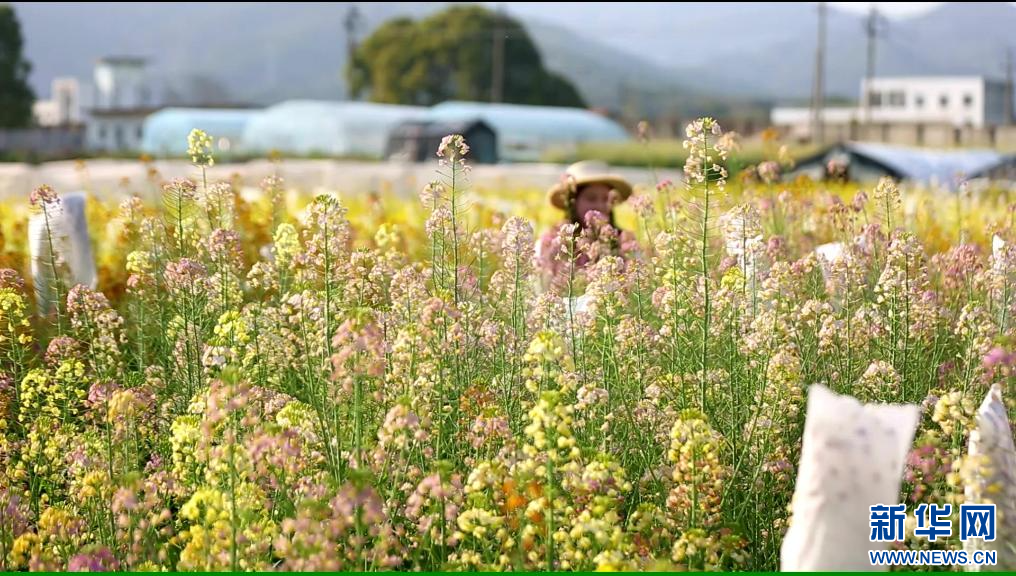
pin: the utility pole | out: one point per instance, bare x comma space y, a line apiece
627, 105
872, 28
351, 23
1008, 108
497, 56
818, 92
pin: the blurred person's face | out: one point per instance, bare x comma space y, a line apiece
592, 197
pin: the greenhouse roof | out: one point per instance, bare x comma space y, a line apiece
925, 165
944, 168
325, 127
548, 122
165, 132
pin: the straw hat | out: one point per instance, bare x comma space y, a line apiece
587, 172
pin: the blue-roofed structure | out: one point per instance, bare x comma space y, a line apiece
307, 127
165, 132
868, 161
525, 132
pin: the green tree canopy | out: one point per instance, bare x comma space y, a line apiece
450, 56
16, 95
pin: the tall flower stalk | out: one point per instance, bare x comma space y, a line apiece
705, 179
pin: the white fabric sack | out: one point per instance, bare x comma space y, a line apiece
852, 458
993, 466
745, 245
68, 228
833, 252
828, 254
578, 305
578, 308
997, 253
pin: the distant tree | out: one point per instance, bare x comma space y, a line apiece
16, 96
449, 56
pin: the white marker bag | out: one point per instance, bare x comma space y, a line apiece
68, 229
990, 477
852, 458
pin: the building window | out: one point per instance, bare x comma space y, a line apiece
102, 133
943, 101
896, 99
919, 101
138, 132
118, 137
874, 99
968, 101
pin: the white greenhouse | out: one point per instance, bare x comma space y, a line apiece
525, 133
310, 127
165, 132
363, 129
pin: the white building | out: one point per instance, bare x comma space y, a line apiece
122, 101
45, 113
121, 83
971, 101
116, 130
64, 106
957, 101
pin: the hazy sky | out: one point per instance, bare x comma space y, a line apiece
888, 8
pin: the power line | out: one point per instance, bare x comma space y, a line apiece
351, 23
1008, 107
497, 56
874, 26
818, 93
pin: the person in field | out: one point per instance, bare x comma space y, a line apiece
586, 195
